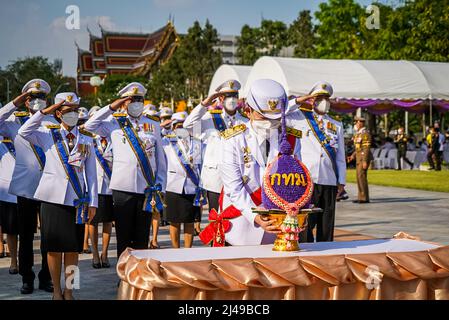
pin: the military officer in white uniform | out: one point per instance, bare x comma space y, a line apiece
30, 161
184, 194
104, 215
139, 165
323, 153
208, 124
68, 188
166, 123
247, 150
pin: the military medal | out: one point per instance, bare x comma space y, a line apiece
246, 156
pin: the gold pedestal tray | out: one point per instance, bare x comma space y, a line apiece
281, 244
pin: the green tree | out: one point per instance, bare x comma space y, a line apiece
248, 44
338, 33
23, 70
273, 37
301, 35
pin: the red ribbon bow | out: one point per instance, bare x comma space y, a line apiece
218, 226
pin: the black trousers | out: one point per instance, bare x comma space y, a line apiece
132, 224
212, 198
28, 211
402, 155
323, 197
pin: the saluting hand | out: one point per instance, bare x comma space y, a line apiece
51, 109
20, 100
268, 225
118, 103
208, 101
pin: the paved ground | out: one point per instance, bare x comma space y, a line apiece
420, 213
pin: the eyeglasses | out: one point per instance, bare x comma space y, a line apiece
39, 95
137, 99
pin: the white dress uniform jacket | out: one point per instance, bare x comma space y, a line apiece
102, 177
313, 154
242, 177
127, 175
201, 126
27, 171
54, 185
7, 163
177, 178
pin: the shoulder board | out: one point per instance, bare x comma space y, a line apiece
170, 136
86, 133
154, 118
235, 130
216, 111
294, 132
53, 126
119, 115
6, 140
21, 114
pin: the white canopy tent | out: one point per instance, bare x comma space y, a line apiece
227, 72
357, 79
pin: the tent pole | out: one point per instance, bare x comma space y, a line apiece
406, 122
386, 124
431, 111
424, 125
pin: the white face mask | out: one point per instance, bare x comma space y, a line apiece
70, 118
37, 104
323, 106
263, 127
181, 133
135, 109
230, 104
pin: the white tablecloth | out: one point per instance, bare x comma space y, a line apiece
265, 251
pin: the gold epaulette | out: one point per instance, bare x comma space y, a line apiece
119, 114
235, 130
154, 118
216, 111
170, 136
6, 140
53, 126
21, 113
294, 132
87, 133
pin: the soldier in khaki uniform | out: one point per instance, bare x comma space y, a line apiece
363, 157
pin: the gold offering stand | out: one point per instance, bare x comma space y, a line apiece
282, 243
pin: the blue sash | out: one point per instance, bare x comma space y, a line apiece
200, 194
81, 204
10, 146
323, 140
218, 122
38, 152
153, 194
104, 164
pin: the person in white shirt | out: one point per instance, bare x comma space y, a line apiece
184, 194
68, 188
28, 169
139, 166
207, 123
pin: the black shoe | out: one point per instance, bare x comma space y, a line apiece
355, 201
362, 201
46, 286
13, 271
27, 288
96, 265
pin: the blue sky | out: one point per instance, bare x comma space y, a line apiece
29, 28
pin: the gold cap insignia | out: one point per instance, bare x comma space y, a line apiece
323, 86
37, 85
272, 103
135, 90
231, 84
182, 116
69, 98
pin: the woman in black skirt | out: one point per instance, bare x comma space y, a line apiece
67, 189
104, 215
8, 204
183, 195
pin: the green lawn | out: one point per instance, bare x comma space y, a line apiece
423, 180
